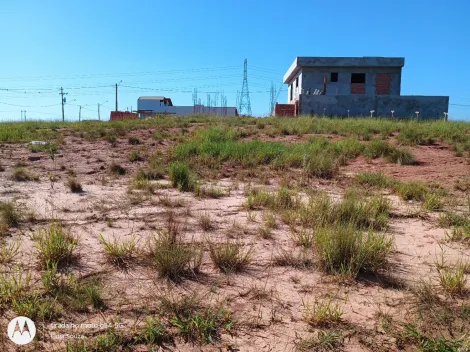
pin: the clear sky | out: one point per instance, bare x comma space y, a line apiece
171, 47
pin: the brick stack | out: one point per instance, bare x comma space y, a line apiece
285, 110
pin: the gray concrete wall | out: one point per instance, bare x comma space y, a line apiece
430, 107
312, 77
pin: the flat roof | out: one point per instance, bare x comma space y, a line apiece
365, 61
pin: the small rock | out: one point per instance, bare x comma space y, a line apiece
34, 157
91, 172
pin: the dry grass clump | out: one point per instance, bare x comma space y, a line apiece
22, 175
453, 280
171, 256
117, 169
8, 252
230, 257
74, 185
10, 216
120, 253
322, 341
205, 221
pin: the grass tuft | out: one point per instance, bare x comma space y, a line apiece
181, 177
323, 313
345, 251
119, 253
230, 257
55, 245
22, 175
74, 185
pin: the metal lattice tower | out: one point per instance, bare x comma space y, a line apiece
244, 100
273, 98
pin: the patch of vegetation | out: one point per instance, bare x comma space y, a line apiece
172, 257
377, 180
74, 185
345, 251
323, 341
155, 333
22, 175
205, 222
323, 313
8, 252
135, 156
181, 177
117, 169
452, 280
450, 218
412, 190
55, 245
208, 192
134, 140
202, 326
433, 202
119, 253
46, 148
10, 216
230, 257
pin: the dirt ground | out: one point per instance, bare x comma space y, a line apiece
267, 301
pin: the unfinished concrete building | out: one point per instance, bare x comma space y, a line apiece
354, 86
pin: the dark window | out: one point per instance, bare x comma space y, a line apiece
358, 78
291, 91
334, 77
297, 82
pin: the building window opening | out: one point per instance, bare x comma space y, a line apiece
334, 77
291, 90
358, 78
297, 82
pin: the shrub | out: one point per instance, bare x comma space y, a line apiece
230, 257
343, 250
181, 177
449, 219
74, 185
55, 245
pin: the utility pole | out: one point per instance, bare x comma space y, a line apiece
25, 115
117, 84
63, 101
98, 112
80, 113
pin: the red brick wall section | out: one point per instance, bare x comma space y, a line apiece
382, 83
285, 110
358, 88
123, 115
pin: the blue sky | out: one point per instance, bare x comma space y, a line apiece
171, 47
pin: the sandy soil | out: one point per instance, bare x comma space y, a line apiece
267, 300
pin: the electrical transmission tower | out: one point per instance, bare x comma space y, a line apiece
273, 98
244, 100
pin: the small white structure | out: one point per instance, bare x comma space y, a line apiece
161, 105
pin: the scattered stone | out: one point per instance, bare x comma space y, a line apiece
34, 157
